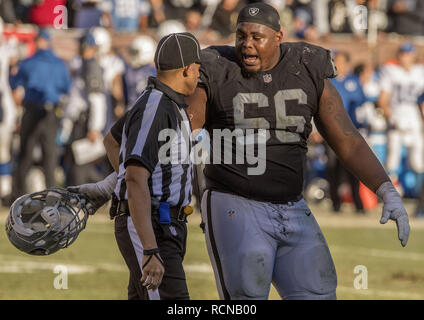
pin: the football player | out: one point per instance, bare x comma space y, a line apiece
401, 86
258, 227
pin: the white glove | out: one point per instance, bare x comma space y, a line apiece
96, 193
393, 209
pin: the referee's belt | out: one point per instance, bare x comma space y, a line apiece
179, 213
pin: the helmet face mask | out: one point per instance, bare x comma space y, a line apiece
44, 222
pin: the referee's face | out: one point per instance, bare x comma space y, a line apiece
257, 46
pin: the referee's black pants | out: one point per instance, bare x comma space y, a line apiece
171, 240
37, 126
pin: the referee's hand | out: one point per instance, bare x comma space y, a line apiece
152, 272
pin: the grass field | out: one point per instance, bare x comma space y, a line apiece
96, 269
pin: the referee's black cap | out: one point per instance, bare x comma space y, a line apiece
260, 13
177, 50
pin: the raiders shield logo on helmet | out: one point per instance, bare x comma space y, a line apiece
253, 11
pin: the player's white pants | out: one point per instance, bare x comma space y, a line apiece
5, 157
413, 140
252, 244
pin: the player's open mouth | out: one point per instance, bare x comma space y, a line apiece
250, 60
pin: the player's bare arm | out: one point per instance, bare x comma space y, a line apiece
335, 126
112, 149
139, 201
197, 108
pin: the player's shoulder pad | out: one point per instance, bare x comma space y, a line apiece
316, 59
216, 61
218, 52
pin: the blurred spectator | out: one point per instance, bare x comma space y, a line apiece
407, 16
343, 16
113, 68
139, 68
7, 11
208, 12
45, 79
303, 21
85, 115
177, 9
42, 13
320, 9
7, 115
419, 210
193, 21
401, 85
373, 122
350, 90
87, 14
127, 15
225, 18
22, 8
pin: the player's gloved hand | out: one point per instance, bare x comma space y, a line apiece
97, 193
393, 209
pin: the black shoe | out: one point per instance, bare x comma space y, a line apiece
360, 211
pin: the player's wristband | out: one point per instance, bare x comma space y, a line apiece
150, 252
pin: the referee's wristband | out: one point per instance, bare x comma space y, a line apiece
151, 252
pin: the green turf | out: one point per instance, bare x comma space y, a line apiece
97, 271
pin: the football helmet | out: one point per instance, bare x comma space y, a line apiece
142, 51
103, 39
44, 222
170, 26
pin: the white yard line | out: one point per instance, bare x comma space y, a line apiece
12, 264
198, 268
15, 264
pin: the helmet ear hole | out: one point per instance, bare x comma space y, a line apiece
44, 222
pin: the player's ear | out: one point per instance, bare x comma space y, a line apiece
186, 71
279, 36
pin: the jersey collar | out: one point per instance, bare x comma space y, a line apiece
178, 98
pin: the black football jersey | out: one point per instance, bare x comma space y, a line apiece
282, 101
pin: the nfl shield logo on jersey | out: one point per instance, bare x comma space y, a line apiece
267, 78
173, 231
253, 11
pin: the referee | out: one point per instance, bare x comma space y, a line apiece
151, 196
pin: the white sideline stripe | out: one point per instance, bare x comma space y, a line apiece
31, 266
198, 268
380, 253
9, 264
382, 293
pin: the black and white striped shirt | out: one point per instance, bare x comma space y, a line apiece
157, 113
